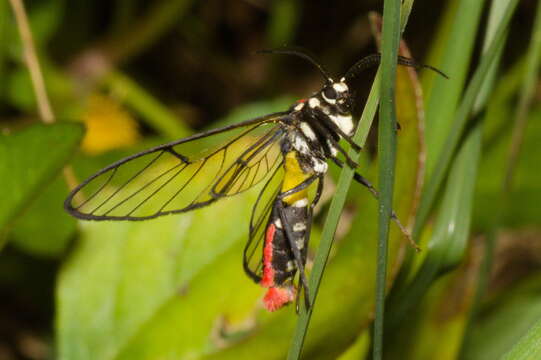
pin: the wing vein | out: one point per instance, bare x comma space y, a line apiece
99, 189
240, 163
127, 182
144, 187
157, 190
183, 187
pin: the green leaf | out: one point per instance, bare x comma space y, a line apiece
451, 230
529, 346
142, 290
502, 322
522, 207
19, 89
359, 349
31, 158
444, 95
45, 212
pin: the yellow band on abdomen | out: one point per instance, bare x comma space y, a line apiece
294, 175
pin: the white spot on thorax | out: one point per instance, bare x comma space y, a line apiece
307, 130
344, 122
300, 144
313, 102
332, 148
299, 106
278, 223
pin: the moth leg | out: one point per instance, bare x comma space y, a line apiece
363, 181
330, 124
327, 136
297, 307
319, 191
317, 196
303, 185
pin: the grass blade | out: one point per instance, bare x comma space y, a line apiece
529, 77
446, 246
460, 120
460, 18
533, 59
387, 157
444, 96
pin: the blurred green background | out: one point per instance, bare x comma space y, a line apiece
138, 73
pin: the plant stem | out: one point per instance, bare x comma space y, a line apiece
29, 51
387, 157
36, 75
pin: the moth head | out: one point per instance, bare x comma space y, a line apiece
336, 93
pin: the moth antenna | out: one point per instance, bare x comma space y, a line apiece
374, 59
302, 53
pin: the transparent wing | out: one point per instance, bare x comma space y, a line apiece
261, 212
253, 252
182, 175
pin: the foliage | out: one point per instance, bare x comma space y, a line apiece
138, 74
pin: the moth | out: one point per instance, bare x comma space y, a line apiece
287, 152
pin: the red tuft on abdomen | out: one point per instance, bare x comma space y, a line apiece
268, 272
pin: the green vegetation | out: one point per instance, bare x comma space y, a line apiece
461, 173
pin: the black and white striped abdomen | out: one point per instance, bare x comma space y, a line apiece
278, 259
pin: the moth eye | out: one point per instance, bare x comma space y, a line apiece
329, 93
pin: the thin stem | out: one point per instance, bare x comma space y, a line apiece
44, 106
387, 157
